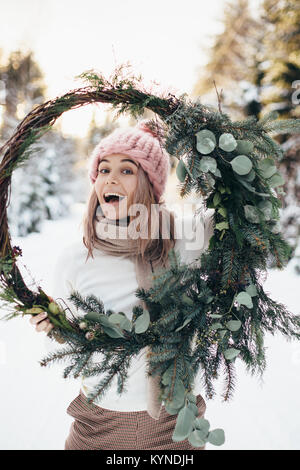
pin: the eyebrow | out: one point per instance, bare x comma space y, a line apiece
124, 160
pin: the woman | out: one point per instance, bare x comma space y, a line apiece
128, 232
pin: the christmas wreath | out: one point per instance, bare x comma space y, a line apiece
196, 317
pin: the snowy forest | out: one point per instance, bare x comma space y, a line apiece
256, 62
254, 66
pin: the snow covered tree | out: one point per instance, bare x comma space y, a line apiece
42, 185
282, 52
256, 61
45, 186
234, 62
279, 93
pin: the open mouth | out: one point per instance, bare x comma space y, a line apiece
111, 198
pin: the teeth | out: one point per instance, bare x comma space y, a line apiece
121, 196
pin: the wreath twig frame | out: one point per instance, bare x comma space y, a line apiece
220, 304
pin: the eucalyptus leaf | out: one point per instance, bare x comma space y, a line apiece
244, 147
276, 180
216, 325
251, 290
202, 424
184, 424
206, 141
181, 171
217, 172
215, 315
167, 375
121, 320
195, 439
222, 333
241, 164
142, 322
194, 408
92, 316
227, 142
205, 146
170, 410
216, 199
246, 184
178, 396
250, 176
231, 353
100, 317
234, 325
126, 324
191, 398
267, 167
108, 326
223, 211
243, 298
186, 321
202, 434
210, 180
205, 133
222, 226
250, 188
251, 214
281, 191
266, 207
116, 318
208, 164
216, 437
113, 332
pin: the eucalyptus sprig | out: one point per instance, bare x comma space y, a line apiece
205, 314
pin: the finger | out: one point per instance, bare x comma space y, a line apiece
42, 325
37, 318
49, 327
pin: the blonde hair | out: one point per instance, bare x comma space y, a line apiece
149, 249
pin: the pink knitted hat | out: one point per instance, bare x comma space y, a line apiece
141, 144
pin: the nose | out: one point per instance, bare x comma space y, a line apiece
111, 178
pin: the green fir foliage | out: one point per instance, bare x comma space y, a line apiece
199, 317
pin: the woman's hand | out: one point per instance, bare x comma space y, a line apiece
41, 322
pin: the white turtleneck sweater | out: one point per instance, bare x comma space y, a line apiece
113, 280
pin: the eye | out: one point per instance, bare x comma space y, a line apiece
126, 169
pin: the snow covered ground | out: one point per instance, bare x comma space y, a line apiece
33, 399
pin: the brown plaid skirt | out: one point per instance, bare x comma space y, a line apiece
96, 428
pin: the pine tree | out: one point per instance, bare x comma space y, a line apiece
256, 61
282, 53
41, 186
280, 76
233, 62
